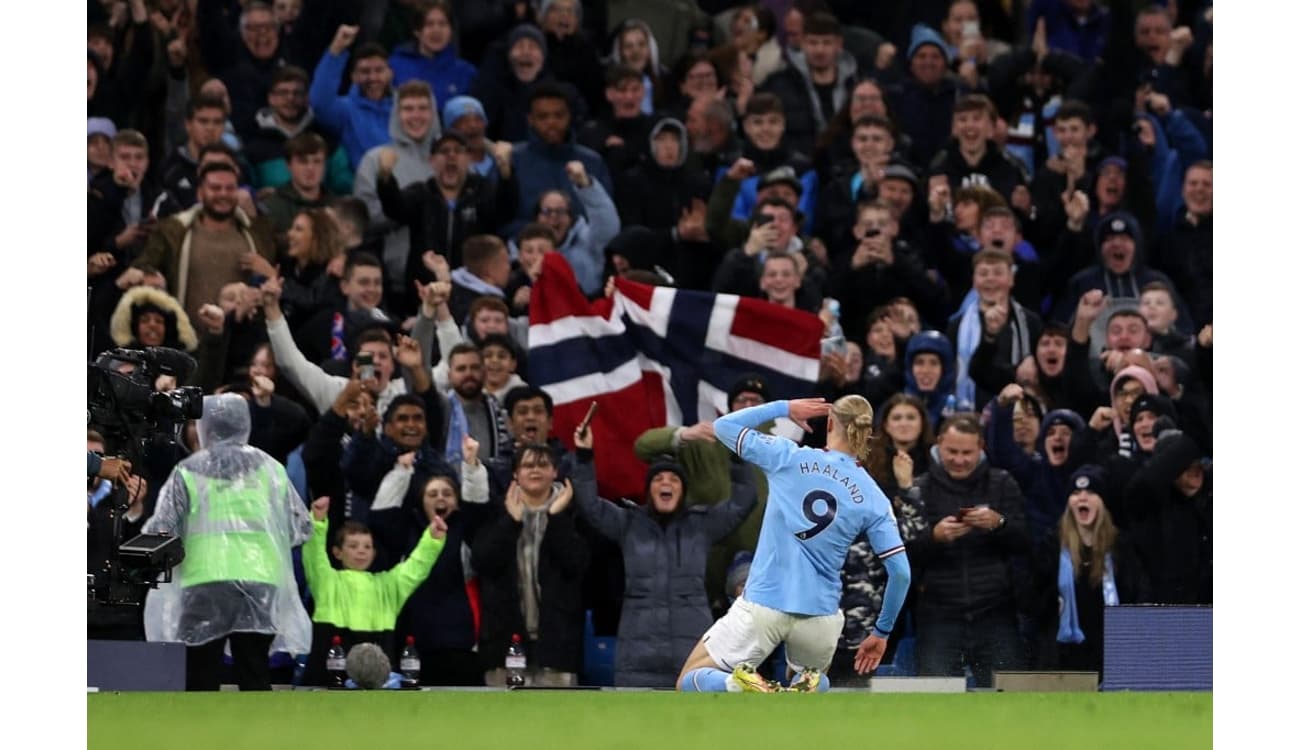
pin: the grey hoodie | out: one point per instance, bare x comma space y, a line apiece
412, 166
674, 124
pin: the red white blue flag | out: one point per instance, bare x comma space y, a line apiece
654, 356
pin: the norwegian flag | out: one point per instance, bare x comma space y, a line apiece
654, 356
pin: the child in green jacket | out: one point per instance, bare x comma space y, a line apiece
353, 603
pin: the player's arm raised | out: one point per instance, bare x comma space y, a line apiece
738, 430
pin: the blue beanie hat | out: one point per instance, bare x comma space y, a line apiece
922, 35
460, 106
526, 30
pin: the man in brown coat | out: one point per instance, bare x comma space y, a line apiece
209, 245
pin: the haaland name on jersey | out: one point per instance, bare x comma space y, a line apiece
828, 470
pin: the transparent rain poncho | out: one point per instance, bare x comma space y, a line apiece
238, 517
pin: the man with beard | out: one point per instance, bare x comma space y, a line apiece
473, 411
1060, 445
710, 126
359, 118
212, 244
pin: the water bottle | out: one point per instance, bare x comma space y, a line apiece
834, 341
516, 662
949, 406
336, 663
410, 664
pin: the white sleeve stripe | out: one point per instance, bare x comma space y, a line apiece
740, 439
891, 552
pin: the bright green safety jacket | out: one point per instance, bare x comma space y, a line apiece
357, 599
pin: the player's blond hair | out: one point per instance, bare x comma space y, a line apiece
854, 415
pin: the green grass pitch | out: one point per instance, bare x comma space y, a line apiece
651, 720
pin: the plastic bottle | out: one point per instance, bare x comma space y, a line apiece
336, 663
410, 664
516, 662
949, 406
834, 341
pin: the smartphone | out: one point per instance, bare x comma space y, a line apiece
763, 219
871, 232
366, 365
970, 29
586, 421
961, 512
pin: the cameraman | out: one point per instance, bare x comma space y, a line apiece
104, 477
880, 267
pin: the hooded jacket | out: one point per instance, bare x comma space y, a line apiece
446, 73
1126, 287
665, 607
925, 114
675, 187
804, 117
970, 576
1046, 487
657, 73
238, 517
180, 332
1174, 533
359, 123
412, 167
934, 343
1178, 145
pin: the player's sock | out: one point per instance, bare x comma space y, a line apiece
705, 680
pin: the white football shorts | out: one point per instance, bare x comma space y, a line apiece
749, 632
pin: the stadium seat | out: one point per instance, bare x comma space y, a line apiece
597, 656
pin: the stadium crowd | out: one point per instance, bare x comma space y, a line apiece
339, 209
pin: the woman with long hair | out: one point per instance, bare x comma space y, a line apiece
635, 45
314, 265
900, 450
1086, 566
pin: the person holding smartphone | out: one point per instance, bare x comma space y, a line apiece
966, 605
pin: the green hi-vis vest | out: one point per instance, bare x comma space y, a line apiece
228, 532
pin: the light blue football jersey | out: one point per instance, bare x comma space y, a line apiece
818, 502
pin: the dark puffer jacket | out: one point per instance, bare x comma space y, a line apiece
665, 608
974, 574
